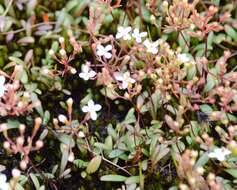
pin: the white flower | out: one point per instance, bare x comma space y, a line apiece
3, 182
87, 73
104, 51
92, 108
124, 78
123, 32
2, 86
152, 47
219, 153
183, 58
138, 36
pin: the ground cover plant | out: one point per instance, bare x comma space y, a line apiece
118, 95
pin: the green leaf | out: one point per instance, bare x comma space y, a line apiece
132, 180
231, 32
16, 60
94, 165
115, 153
35, 181
232, 172
114, 178
210, 83
66, 139
80, 163
130, 117
202, 160
206, 109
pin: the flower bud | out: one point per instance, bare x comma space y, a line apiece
39, 144
69, 102
51, 52
61, 40
22, 128
6, 145
63, 52
62, 118
73, 71
81, 134
23, 164
71, 157
16, 173
20, 141
3, 127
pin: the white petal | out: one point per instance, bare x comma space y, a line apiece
100, 52
147, 43
97, 107
124, 85
136, 31
138, 39
120, 28
221, 157
154, 50
2, 91
131, 80
108, 55
119, 35
118, 76
93, 115
100, 47
85, 109
2, 80
3, 178
84, 76
92, 74
143, 34
212, 155
108, 47
128, 29
4, 186
85, 68
91, 104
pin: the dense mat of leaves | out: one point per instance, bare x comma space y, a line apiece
122, 95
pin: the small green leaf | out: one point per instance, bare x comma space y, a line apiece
114, 178
232, 172
202, 160
80, 163
231, 32
115, 153
35, 181
94, 165
132, 180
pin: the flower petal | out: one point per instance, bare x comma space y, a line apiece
92, 74
97, 107
108, 55
108, 47
2, 80
93, 115
85, 109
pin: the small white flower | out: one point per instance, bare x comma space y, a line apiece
87, 73
92, 108
183, 57
138, 36
124, 78
3, 182
2, 86
104, 51
124, 33
152, 47
219, 153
